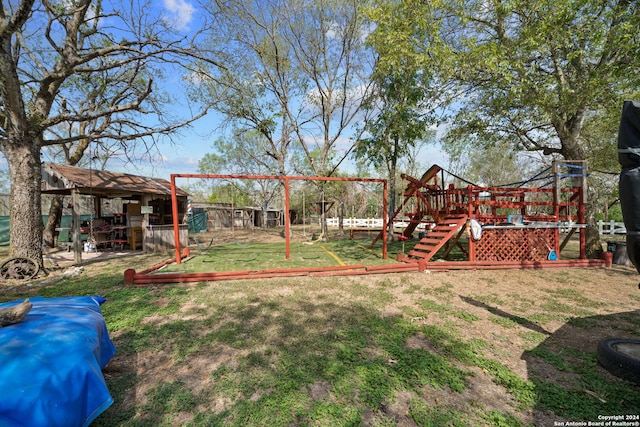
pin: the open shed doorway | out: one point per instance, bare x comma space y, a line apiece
144, 221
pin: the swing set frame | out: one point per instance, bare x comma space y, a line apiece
287, 219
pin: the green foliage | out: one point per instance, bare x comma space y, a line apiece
614, 213
557, 360
169, 398
499, 419
402, 107
544, 76
211, 163
532, 73
320, 351
245, 153
589, 394
230, 194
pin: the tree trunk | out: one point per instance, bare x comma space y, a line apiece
593, 244
340, 218
53, 221
26, 215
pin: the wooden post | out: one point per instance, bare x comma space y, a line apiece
174, 210
287, 225
144, 223
556, 190
581, 209
97, 206
77, 237
385, 219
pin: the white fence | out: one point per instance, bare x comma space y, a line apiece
611, 227
367, 223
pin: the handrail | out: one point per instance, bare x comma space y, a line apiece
485, 202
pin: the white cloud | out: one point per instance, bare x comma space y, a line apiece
180, 13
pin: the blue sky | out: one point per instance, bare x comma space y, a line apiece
191, 144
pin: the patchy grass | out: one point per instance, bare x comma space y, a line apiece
467, 348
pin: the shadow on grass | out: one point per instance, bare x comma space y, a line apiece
276, 363
567, 377
567, 382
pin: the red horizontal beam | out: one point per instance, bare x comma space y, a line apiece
280, 177
506, 265
145, 278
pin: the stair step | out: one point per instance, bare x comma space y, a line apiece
440, 232
430, 241
424, 248
437, 237
419, 254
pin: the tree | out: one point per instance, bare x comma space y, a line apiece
79, 63
328, 41
493, 166
532, 73
296, 72
400, 124
255, 87
245, 153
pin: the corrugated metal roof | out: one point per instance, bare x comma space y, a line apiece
62, 179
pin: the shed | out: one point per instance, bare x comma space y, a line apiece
227, 215
147, 214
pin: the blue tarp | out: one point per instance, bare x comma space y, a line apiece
51, 364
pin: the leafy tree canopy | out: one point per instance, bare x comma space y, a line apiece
526, 73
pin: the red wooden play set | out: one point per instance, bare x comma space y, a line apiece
496, 225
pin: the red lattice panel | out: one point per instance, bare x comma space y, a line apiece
515, 244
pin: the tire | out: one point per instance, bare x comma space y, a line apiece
621, 357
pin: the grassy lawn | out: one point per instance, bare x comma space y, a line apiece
464, 348
262, 250
261, 256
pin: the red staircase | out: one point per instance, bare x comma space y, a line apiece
413, 191
446, 228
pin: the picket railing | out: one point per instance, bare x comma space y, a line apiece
372, 223
604, 227
611, 227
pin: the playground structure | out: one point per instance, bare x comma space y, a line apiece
500, 224
502, 227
